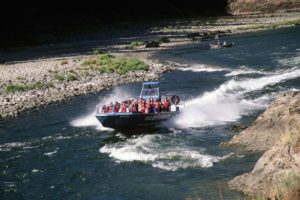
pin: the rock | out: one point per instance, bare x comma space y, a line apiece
269, 126
277, 132
192, 35
250, 6
152, 44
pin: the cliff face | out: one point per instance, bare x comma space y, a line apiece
248, 6
277, 132
282, 115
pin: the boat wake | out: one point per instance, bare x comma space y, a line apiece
88, 120
227, 103
202, 68
245, 70
151, 149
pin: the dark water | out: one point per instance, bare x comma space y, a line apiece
61, 152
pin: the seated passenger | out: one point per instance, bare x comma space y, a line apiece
135, 107
104, 109
157, 106
166, 105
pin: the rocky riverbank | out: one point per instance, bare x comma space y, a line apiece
276, 132
60, 79
42, 75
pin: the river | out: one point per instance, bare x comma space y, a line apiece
62, 152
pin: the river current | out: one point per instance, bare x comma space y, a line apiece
63, 152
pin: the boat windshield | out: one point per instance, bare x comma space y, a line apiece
150, 90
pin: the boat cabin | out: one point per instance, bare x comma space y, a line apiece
150, 90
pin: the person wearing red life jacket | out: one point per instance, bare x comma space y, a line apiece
157, 106
104, 109
166, 105
116, 107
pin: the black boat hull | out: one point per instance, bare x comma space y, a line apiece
133, 120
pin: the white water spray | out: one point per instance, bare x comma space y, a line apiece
226, 104
89, 120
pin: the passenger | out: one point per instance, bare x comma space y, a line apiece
166, 105
157, 106
152, 108
104, 109
142, 109
122, 108
116, 107
135, 107
110, 107
148, 108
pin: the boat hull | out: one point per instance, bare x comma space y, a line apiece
133, 120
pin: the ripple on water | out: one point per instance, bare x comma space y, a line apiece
148, 149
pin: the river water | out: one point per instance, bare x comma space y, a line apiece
62, 152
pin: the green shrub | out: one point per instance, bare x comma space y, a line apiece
36, 85
164, 40
15, 87
71, 77
20, 87
129, 47
58, 77
98, 51
89, 62
135, 44
107, 63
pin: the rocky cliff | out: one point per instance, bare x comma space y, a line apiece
276, 175
248, 6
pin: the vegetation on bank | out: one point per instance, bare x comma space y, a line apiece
22, 87
271, 25
107, 63
98, 51
289, 188
135, 44
58, 77
151, 43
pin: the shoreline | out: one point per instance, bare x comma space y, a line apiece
44, 69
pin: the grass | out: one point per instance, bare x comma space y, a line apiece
289, 188
71, 77
271, 26
58, 77
22, 87
15, 87
135, 44
98, 51
107, 63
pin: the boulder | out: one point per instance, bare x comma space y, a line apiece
276, 132
152, 44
